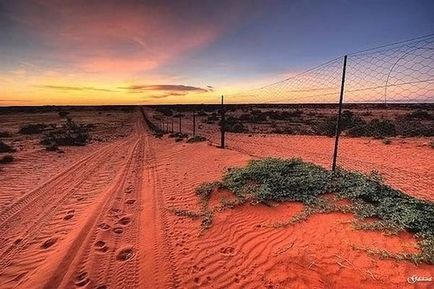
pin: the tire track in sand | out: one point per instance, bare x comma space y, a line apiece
25, 220
35, 225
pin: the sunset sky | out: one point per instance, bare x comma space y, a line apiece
145, 52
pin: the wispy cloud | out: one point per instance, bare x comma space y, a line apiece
75, 88
15, 100
118, 37
163, 95
179, 88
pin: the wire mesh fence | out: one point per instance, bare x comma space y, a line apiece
372, 112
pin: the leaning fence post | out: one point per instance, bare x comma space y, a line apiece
222, 125
338, 123
194, 123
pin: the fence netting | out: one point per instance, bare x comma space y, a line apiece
386, 116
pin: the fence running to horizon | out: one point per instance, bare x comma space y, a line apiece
369, 111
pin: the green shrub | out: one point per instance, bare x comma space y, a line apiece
277, 180
381, 128
378, 128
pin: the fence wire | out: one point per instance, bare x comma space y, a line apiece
386, 122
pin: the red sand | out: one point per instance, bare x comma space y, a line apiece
101, 218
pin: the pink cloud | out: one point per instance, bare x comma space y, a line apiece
117, 36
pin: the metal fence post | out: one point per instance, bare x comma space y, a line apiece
180, 127
222, 125
338, 123
194, 123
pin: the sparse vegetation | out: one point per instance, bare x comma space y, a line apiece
234, 125
33, 128
196, 138
6, 159
63, 113
5, 148
387, 141
69, 134
276, 180
420, 114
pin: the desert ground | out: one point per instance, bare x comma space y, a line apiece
103, 215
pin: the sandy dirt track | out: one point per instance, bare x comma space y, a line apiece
105, 221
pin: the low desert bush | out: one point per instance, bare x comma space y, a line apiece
164, 110
325, 127
69, 134
196, 138
33, 128
6, 159
204, 191
234, 125
378, 128
63, 113
278, 180
5, 148
420, 114
415, 128
387, 141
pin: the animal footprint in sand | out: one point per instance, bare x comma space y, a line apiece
118, 230
48, 243
125, 254
125, 220
100, 246
227, 251
104, 226
82, 279
130, 201
69, 215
